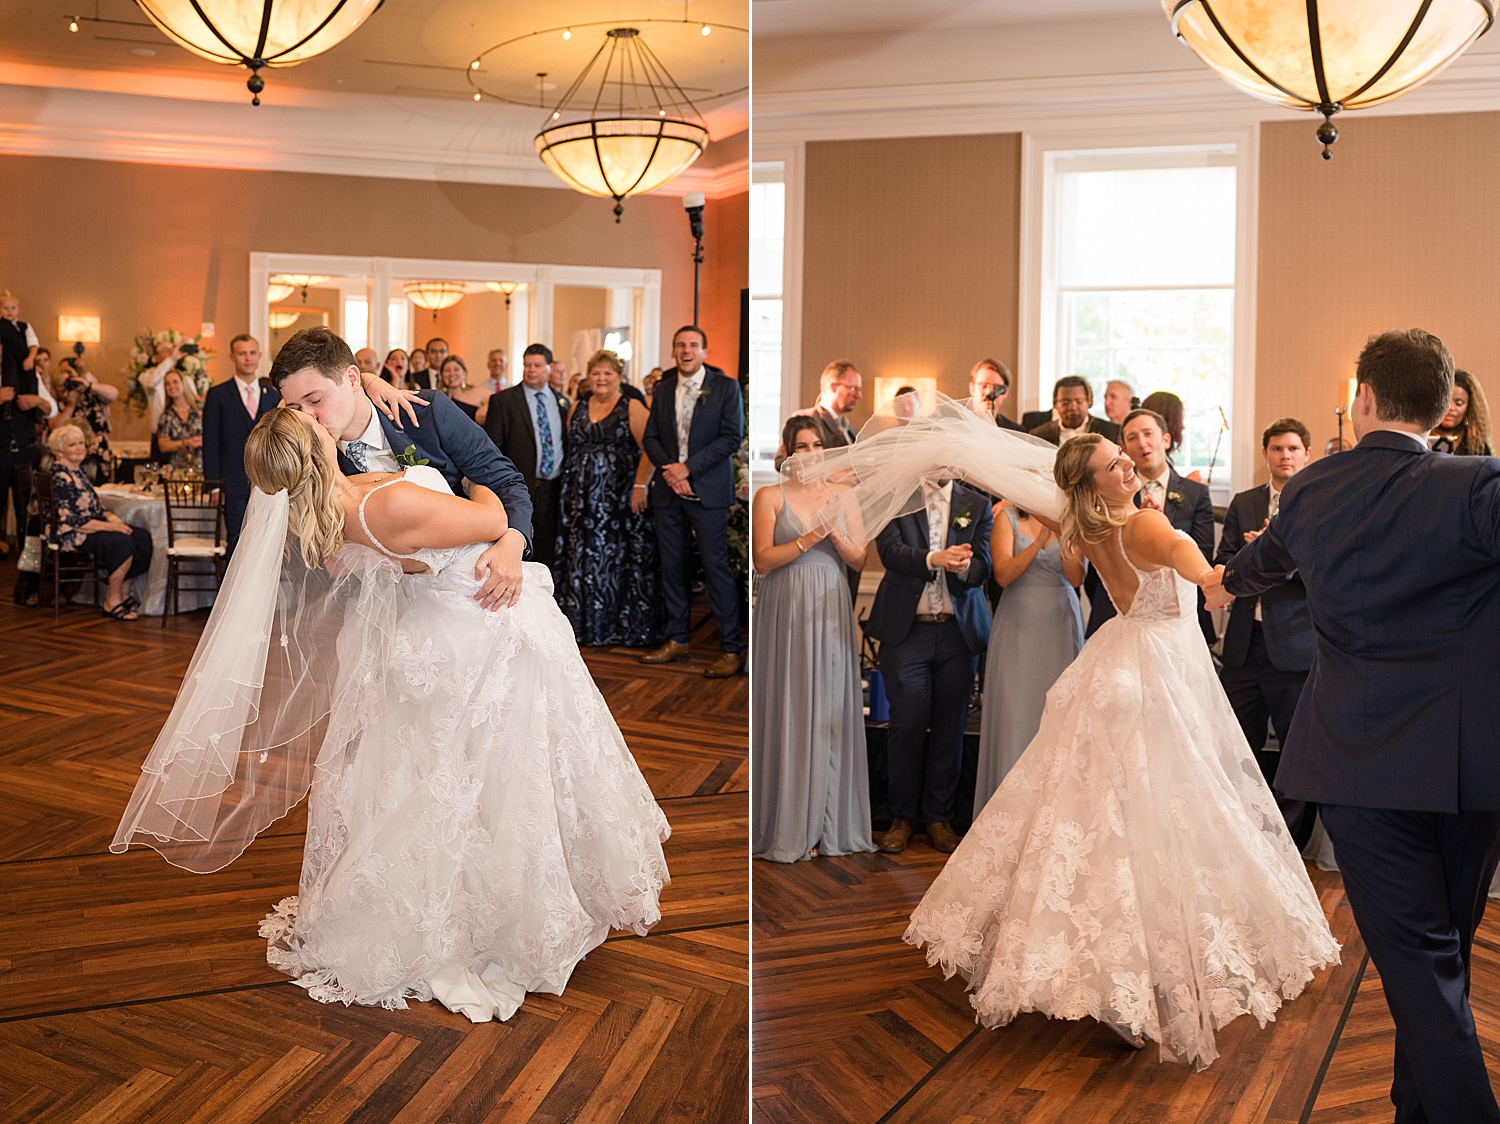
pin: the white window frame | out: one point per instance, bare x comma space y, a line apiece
1040, 245
792, 158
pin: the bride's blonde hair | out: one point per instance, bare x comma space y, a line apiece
1087, 518
283, 452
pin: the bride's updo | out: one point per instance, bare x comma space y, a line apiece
283, 452
1087, 518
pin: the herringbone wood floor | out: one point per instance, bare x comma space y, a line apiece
850, 1025
133, 991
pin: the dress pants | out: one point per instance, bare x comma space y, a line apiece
546, 502
677, 521
1417, 883
234, 519
15, 482
1258, 692
928, 678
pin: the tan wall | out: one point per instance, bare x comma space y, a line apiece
911, 258
726, 271
1398, 230
471, 327
143, 245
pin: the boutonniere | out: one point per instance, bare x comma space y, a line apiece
961, 521
408, 457
702, 394
1174, 498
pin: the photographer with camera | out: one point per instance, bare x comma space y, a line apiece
83, 400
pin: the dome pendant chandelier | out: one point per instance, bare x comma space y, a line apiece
258, 33
434, 295
639, 132
1328, 56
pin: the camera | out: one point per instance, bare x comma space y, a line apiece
74, 384
189, 349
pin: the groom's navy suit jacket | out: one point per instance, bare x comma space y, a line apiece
450, 442
1399, 550
903, 548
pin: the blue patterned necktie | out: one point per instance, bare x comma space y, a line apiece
355, 451
544, 430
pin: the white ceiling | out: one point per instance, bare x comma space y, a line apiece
777, 18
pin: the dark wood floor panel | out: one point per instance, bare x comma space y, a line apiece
850, 1024
133, 991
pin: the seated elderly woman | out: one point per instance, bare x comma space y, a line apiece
84, 526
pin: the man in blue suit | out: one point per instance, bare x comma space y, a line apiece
230, 411
1397, 734
696, 423
315, 372
1270, 643
932, 620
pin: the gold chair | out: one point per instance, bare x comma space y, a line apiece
64, 565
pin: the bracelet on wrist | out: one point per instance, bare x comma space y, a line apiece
800, 548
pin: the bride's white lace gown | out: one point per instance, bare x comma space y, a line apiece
490, 828
1133, 864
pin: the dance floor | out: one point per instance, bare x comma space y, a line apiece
133, 991
851, 1025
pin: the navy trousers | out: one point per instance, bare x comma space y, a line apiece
234, 519
1417, 882
928, 678
678, 521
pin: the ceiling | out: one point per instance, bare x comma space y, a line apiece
409, 48
778, 18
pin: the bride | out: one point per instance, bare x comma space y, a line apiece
1133, 866
476, 823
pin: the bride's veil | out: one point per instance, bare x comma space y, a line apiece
880, 476
288, 672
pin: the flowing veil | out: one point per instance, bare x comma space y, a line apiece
880, 476
289, 670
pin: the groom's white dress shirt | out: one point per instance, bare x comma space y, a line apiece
378, 454
935, 596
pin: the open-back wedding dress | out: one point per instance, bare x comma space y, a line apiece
1133, 866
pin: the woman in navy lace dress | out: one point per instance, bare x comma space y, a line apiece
607, 569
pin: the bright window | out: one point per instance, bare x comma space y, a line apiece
356, 322
1144, 283
767, 243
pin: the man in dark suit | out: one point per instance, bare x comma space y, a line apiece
528, 423
1184, 502
230, 410
932, 621
1072, 397
840, 388
696, 423
1269, 643
315, 372
989, 383
1397, 734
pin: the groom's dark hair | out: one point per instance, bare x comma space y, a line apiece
318, 347
1411, 374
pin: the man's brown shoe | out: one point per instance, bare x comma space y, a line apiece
943, 837
725, 667
897, 837
668, 652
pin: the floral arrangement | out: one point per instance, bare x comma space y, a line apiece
143, 359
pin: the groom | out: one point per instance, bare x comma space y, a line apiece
1397, 733
315, 372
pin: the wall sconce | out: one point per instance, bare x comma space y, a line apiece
79, 329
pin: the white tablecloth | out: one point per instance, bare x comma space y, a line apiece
149, 512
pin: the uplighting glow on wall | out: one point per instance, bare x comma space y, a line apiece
78, 329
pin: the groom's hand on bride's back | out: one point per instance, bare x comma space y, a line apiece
498, 571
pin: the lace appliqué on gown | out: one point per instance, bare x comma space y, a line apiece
1133, 865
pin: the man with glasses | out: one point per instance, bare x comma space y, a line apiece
840, 388
989, 384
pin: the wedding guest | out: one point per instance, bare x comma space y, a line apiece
1169, 407
82, 398
575, 381
931, 620
1072, 397
164, 358
906, 404
22, 409
1465, 428
367, 361
394, 369
693, 430
557, 377
179, 433
472, 400
1184, 502
230, 409
527, 423
418, 377
1119, 400
496, 364
648, 384
44, 377
437, 351
85, 527
1269, 643
607, 570
1037, 633
840, 388
812, 790
989, 383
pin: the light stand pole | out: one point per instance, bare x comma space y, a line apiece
693, 203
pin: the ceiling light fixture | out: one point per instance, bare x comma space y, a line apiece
284, 317
434, 295
622, 142
267, 33
506, 287
303, 281
1348, 55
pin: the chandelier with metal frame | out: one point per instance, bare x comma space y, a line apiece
434, 295
1331, 55
505, 287
258, 33
628, 134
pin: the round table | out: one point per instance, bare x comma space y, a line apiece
149, 512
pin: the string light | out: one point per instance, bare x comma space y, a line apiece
568, 34
706, 29
73, 25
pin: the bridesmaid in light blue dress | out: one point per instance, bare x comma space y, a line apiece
1038, 632
810, 776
